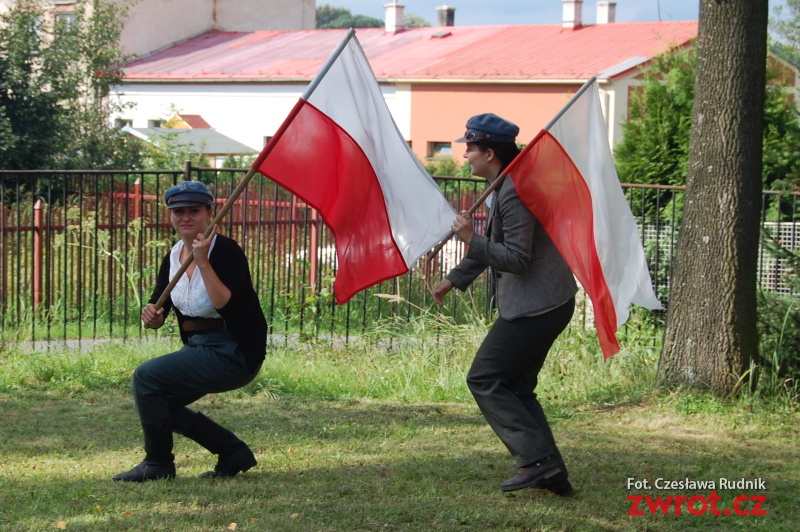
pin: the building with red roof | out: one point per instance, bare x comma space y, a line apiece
433, 78
192, 131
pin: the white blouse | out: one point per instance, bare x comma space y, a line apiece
189, 295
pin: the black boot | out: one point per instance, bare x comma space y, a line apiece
234, 455
537, 472
158, 461
559, 485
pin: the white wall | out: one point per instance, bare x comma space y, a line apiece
245, 112
398, 99
254, 15
615, 100
155, 24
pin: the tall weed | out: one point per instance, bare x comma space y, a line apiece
420, 359
776, 372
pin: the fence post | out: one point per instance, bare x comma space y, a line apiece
242, 210
38, 207
313, 245
136, 198
293, 228
187, 170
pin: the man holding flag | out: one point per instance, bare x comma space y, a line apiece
535, 297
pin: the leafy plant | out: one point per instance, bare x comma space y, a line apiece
655, 144
54, 88
446, 166
329, 17
778, 366
786, 27
85, 235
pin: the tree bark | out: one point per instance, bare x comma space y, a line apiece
711, 320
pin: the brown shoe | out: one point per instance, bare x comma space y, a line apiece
532, 474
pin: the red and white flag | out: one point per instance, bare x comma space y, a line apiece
341, 152
566, 177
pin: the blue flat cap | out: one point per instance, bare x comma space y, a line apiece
491, 127
188, 194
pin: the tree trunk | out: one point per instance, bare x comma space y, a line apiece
711, 321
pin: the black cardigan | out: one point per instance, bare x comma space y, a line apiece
243, 316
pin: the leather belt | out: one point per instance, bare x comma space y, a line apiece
203, 324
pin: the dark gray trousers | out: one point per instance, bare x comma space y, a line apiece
209, 363
503, 378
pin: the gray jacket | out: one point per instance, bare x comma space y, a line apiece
530, 275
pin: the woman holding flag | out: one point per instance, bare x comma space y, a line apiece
535, 296
224, 333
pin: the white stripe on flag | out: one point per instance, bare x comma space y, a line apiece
581, 130
349, 94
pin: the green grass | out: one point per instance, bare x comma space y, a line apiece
383, 435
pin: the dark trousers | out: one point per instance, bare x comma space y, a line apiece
503, 378
210, 362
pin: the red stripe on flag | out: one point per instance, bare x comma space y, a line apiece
552, 187
318, 161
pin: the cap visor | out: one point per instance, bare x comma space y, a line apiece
187, 203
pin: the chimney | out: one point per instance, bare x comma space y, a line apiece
572, 14
446, 15
606, 12
394, 17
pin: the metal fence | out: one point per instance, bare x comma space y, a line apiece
80, 249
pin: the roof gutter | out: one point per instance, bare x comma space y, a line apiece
420, 81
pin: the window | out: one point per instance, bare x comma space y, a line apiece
119, 123
154, 123
64, 14
266, 140
439, 149
66, 20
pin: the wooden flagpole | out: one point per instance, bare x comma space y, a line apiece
250, 173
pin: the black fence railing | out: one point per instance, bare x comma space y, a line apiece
79, 251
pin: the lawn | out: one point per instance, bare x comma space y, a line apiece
371, 460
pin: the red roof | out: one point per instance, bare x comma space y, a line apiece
462, 53
195, 121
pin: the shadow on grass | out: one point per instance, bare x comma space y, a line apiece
356, 465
